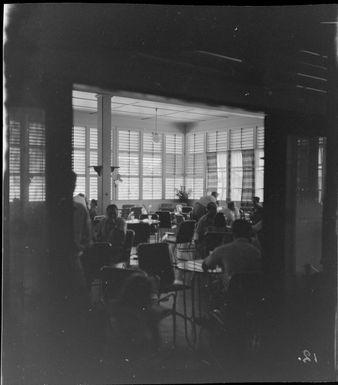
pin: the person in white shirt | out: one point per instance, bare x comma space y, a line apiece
239, 256
231, 213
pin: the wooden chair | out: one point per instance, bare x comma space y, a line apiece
142, 232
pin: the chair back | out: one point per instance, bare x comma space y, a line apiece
154, 259
185, 232
128, 244
165, 219
142, 232
125, 211
137, 210
186, 209
112, 280
179, 219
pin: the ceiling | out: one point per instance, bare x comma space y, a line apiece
146, 109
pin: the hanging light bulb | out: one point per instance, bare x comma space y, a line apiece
156, 135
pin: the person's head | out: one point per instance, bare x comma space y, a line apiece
93, 203
137, 290
241, 229
112, 211
211, 209
255, 200
220, 220
214, 194
231, 206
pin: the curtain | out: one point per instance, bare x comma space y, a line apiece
212, 171
248, 158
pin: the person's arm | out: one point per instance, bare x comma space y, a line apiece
212, 260
198, 230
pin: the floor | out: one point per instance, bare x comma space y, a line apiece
68, 344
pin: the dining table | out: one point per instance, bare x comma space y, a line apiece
196, 279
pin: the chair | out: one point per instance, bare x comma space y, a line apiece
126, 210
137, 210
241, 313
186, 209
167, 207
155, 260
183, 240
165, 221
153, 226
179, 218
142, 232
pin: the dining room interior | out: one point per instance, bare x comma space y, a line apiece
170, 194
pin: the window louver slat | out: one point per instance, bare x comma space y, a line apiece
217, 141
260, 137
128, 157
79, 137
14, 133
36, 161
93, 138
152, 168
174, 165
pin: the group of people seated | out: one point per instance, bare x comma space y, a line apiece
134, 317
213, 217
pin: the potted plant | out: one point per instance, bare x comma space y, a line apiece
183, 195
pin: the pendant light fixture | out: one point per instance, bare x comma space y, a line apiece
156, 135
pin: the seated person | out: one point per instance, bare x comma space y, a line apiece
220, 221
112, 229
239, 256
231, 213
256, 214
215, 195
93, 209
200, 207
206, 221
134, 322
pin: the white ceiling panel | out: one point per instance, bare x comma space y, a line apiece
145, 109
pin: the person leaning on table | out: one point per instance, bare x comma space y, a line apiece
239, 256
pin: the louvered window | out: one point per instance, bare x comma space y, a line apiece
85, 155
14, 160
217, 146
236, 175
128, 158
174, 173
152, 168
195, 164
36, 162
242, 139
259, 163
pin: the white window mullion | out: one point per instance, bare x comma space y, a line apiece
164, 165
141, 165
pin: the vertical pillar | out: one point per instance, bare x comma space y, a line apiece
329, 259
104, 153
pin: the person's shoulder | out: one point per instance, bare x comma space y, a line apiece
223, 248
79, 207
